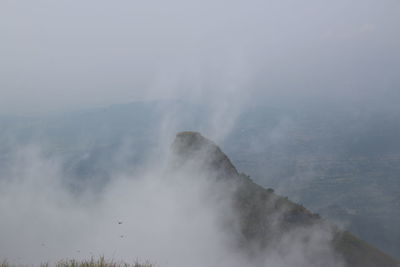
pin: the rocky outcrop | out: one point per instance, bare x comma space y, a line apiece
192, 147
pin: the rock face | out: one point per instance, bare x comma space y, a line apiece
190, 146
265, 218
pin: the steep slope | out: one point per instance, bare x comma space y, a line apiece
264, 218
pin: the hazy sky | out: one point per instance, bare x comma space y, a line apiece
62, 54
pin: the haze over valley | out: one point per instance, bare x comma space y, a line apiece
210, 133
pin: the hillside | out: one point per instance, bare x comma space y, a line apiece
265, 218
341, 163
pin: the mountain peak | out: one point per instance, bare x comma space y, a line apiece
191, 141
193, 147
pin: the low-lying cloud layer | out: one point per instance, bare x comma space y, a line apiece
172, 218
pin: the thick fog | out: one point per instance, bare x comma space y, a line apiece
167, 216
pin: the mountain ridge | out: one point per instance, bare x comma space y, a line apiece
263, 216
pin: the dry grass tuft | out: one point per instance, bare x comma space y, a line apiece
101, 262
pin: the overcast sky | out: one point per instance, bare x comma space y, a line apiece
61, 55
